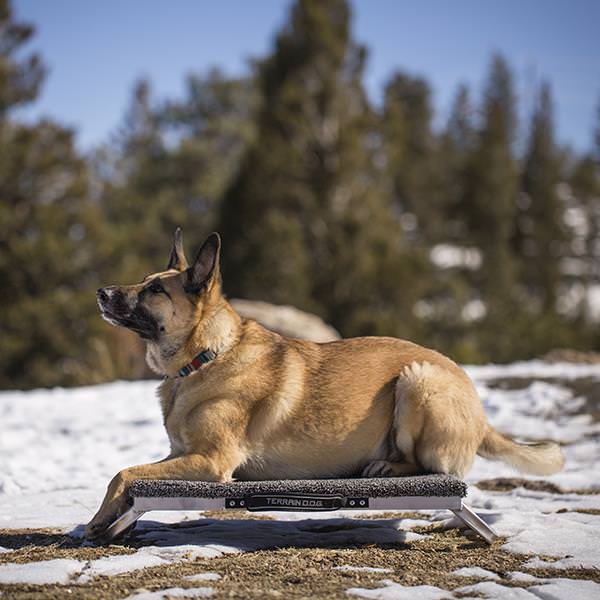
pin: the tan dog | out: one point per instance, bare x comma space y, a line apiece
262, 406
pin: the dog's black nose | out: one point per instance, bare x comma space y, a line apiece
102, 295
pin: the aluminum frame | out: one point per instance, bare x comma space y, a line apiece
456, 504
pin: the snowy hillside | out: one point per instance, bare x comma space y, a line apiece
58, 449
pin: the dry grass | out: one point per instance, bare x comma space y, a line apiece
277, 573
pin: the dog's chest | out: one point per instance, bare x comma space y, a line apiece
170, 400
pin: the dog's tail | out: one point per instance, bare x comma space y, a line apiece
540, 458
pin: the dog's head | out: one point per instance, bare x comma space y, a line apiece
165, 306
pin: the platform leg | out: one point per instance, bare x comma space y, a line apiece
476, 523
125, 521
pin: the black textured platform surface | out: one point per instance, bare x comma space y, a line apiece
380, 487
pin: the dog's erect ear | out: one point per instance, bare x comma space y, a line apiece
206, 265
177, 259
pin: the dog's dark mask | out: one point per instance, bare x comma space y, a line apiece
143, 323
115, 309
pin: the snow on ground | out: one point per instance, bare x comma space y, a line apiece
363, 569
80, 571
203, 577
59, 570
395, 591
534, 369
59, 448
551, 589
476, 572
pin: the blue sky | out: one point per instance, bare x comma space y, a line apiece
96, 50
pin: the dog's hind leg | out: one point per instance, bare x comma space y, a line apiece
438, 419
386, 468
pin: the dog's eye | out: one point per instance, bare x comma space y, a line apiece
155, 287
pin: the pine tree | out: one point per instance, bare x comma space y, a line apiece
455, 148
585, 230
541, 234
47, 232
20, 78
596, 151
136, 200
306, 221
491, 185
451, 325
169, 165
213, 123
410, 151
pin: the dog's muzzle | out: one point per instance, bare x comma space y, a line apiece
116, 309
112, 306
103, 295
112, 300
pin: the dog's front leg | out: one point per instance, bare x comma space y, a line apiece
191, 467
113, 505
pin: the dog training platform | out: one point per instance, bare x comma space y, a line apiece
424, 492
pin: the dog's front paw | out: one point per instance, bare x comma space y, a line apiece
104, 518
94, 529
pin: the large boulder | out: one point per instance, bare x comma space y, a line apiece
286, 320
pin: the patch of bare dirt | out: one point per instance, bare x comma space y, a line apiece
585, 511
506, 484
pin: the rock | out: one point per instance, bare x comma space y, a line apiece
286, 320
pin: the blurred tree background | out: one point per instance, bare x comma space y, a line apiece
480, 238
